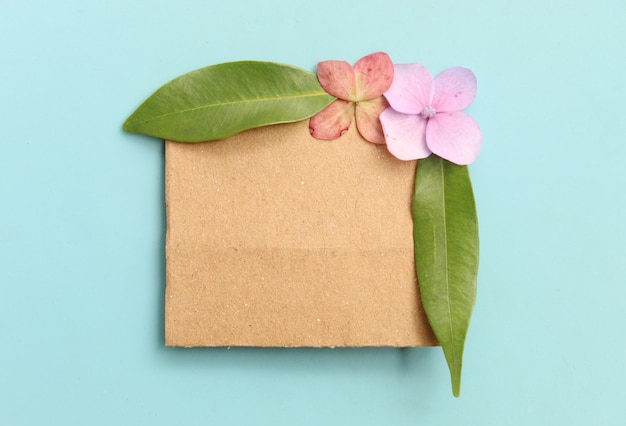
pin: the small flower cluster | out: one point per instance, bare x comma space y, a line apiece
401, 106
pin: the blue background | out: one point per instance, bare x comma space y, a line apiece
82, 216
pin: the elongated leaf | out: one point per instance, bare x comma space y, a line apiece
220, 100
446, 254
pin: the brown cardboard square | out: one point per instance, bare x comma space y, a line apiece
275, 238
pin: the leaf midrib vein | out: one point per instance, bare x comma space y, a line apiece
216, 104
447, 277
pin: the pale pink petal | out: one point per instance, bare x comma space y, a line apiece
373, 74
337, 79
411, 89
333, 121
366, 116
454, 136
455, 89
405, 135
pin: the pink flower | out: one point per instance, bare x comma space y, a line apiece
359, 93
425, 115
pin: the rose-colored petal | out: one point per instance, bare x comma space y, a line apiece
337, 79
411, 89
332, 121
454, 136
366, 116
455, 89
373, 74
405, 135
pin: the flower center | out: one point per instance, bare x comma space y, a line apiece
429, 112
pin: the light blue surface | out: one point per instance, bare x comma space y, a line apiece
82, 222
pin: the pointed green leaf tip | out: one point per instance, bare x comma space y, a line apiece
219, 101
446, 254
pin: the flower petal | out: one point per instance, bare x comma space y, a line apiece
455, 89
373, 74
366, 115
454, 136
405, 135
411, 89
337, 79
333, 121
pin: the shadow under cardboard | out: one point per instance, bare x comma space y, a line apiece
405, 360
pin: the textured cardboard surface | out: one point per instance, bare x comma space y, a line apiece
275, 238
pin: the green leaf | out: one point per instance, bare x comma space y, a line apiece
446, 254
220, 100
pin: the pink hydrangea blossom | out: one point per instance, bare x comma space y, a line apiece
425, 115
359, 92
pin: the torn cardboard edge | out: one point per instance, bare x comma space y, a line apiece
277, 239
